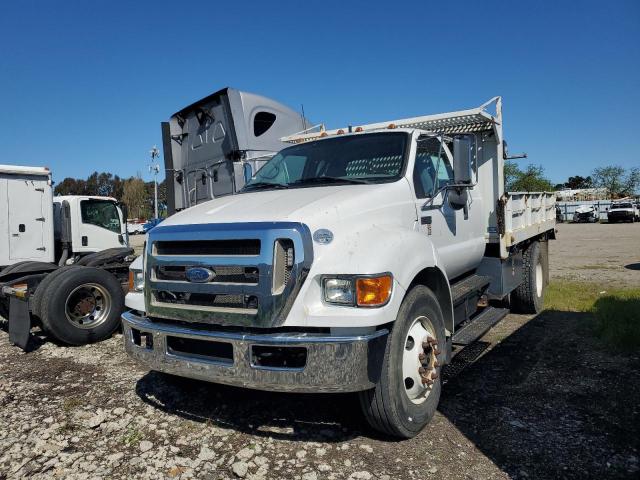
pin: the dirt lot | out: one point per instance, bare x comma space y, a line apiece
538, 397
603, 253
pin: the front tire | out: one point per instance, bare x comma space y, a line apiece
406, 395
82, 306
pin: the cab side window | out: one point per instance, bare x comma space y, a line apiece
432, 170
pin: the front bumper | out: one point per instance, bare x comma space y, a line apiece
620, 215
333, 364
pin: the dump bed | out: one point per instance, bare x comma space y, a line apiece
525, 215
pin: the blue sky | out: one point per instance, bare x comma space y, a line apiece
85, 85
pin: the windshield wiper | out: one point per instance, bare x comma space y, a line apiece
264, 185
355, 181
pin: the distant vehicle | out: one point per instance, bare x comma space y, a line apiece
213, 146
64, 260
150, 224
586, 214
135, 227
623, 212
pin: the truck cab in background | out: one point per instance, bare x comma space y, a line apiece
213, 146
87, 224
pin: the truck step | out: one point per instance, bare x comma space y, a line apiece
479, 325
472, 283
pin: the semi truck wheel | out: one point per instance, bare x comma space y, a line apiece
407, 393
44, 284
529, 296
82, 306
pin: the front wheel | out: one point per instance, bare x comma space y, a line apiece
407, 393
82, 306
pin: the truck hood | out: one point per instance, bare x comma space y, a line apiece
316, 206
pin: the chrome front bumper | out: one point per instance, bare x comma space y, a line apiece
333, 364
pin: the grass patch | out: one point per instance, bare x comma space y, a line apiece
71, 403
615, 312
132, 437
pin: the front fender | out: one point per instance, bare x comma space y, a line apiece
404, 252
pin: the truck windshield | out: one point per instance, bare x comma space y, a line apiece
102, 213
622, 205
352, 159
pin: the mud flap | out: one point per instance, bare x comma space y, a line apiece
19, 322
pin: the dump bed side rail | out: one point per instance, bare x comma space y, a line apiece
526, 215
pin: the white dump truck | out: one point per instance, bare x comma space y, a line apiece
359, 259
63, 260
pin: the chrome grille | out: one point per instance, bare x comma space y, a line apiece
259, 269
224, 274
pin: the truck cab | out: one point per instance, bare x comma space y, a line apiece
355, 260
86, 224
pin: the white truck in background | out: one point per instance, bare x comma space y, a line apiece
355, 260
78, 241
623, 211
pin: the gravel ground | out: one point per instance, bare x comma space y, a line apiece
537, 397
601, 252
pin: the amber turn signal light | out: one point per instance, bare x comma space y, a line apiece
373, 291
131, 281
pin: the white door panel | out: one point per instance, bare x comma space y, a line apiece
26, 220
457, 235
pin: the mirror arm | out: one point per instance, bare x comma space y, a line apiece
428, 204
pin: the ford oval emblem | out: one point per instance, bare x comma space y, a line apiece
199, 274
323, 236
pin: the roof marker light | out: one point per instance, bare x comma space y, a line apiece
359, 129
340, 132
391, 126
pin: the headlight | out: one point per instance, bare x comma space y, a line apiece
136, 280
339, 291
361, 291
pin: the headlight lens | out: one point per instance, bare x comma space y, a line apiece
136, 280
339, 291
369, 291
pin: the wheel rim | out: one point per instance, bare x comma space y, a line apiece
88, 306
419, 360
539, 279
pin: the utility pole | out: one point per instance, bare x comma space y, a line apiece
155, 169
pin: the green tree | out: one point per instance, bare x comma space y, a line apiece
70, 186
617, 181
136, 198
530, 180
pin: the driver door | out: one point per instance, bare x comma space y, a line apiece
456, 234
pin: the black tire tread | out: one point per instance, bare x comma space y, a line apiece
52, 291
523, 297
376, 405
36, 302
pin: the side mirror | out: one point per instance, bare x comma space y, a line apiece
248, 171
463, 153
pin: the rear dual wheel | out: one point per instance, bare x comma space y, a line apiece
529, 296
80, 305
406, 395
